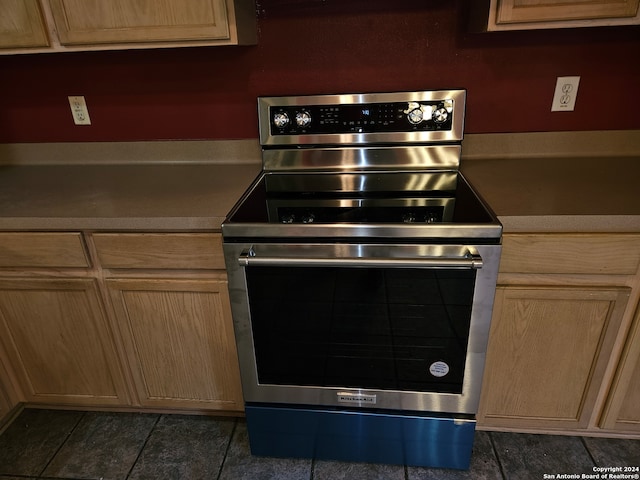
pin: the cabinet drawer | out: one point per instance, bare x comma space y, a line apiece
571, 253
161, 250
42, 250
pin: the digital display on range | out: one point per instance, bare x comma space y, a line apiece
369, 118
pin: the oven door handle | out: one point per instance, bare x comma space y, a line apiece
470, 260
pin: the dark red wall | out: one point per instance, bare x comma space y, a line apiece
326, 46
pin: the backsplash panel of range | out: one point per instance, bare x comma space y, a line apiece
362, 270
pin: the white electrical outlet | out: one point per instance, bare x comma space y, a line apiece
564, 98
79, 111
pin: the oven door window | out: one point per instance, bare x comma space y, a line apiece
370, 328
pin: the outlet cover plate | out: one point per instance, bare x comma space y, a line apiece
564, 98
79, 110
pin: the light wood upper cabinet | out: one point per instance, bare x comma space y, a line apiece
495, 15
22, 25
122, 21
80, 25
512, 11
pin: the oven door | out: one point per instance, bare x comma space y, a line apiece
363, 325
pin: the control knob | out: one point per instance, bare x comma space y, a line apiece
431, 217
303, 118
281, 119
308, 218
288, 218
414, 112
409, 217
440, 115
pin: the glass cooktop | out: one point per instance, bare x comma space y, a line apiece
375, 199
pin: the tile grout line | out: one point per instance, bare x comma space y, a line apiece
146, 440
586, 447
312, 471
83, 414
56, 478
495, 452
226, 450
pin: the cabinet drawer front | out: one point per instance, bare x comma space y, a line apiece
571, 253
150, 250
42, 250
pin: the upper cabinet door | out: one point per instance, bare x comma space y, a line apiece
130, 21
21, 24
513, 11
496, 15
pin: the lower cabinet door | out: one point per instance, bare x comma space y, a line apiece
547, 354
8, 397
179, 340
622, 412
57, 340
629, 416
5, 406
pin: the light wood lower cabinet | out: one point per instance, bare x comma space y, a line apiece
9, 399
58, 342
562, 314
629, 414
179, 341
142, 320
5, 406
549, 350
135, 320
173, 318
623, 408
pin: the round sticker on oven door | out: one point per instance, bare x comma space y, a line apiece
439, 369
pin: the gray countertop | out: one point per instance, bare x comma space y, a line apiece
124, 187
120, 197
560, 194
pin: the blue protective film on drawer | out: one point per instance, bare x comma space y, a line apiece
392, 438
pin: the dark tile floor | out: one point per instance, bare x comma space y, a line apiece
108, 446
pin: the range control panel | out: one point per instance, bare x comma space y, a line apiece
400, 118
362, 118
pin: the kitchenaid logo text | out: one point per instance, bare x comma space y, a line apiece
346, 397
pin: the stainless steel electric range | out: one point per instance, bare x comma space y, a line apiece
362, 270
